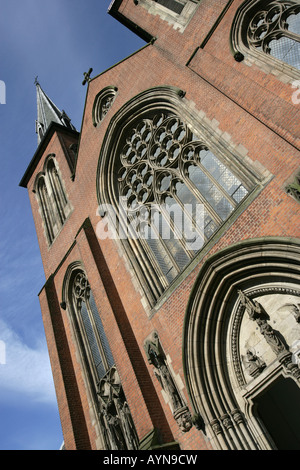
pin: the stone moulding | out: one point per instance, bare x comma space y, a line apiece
244, 44
212, 364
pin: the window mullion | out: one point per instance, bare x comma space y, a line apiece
186, 214
291, 35
95, 329
211, 211
178, 236
139, 254
217, 184
166, 248
83, 335
158, 271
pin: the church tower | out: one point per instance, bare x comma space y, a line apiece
169, 234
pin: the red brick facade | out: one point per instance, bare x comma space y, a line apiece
248, 108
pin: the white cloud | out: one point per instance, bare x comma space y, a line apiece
26, 371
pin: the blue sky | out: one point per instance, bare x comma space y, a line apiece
58, 41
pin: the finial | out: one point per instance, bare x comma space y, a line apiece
87, 76
36, 82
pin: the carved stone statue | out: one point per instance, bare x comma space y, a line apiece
128, 426
254, 365
157, 358
253, 308
274, 339
115, 416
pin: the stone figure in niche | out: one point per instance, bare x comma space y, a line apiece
294, 188
115, 416
164, 377
253, 308
106, 105
157, 358
128, 425
258, 314
115, 427
274, 338
254, 365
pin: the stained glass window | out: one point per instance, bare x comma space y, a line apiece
174, 191
90, 325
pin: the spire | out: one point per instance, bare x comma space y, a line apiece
47, 112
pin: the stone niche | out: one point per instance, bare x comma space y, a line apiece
280, 308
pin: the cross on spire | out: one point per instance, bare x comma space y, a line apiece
87, 76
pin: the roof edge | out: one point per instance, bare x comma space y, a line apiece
54, 126
113, 10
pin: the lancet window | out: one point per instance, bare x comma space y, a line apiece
46, 207
112, 410
52, 199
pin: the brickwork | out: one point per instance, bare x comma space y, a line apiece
248, 108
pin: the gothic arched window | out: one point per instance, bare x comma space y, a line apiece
45, 207
90, 326
170, 188
269, 30
52, 198
59, 196
112, 411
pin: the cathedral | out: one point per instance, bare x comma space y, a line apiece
169, 233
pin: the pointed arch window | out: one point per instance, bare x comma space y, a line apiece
111, 408
90, 326
171, 188
52, 198
270, 31
59, 195
46, 207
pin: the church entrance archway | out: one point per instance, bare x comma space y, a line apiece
278, 413
241, 344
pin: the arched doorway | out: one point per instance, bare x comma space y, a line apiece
241, 339
275, 407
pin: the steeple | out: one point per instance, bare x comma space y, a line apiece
48, 112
